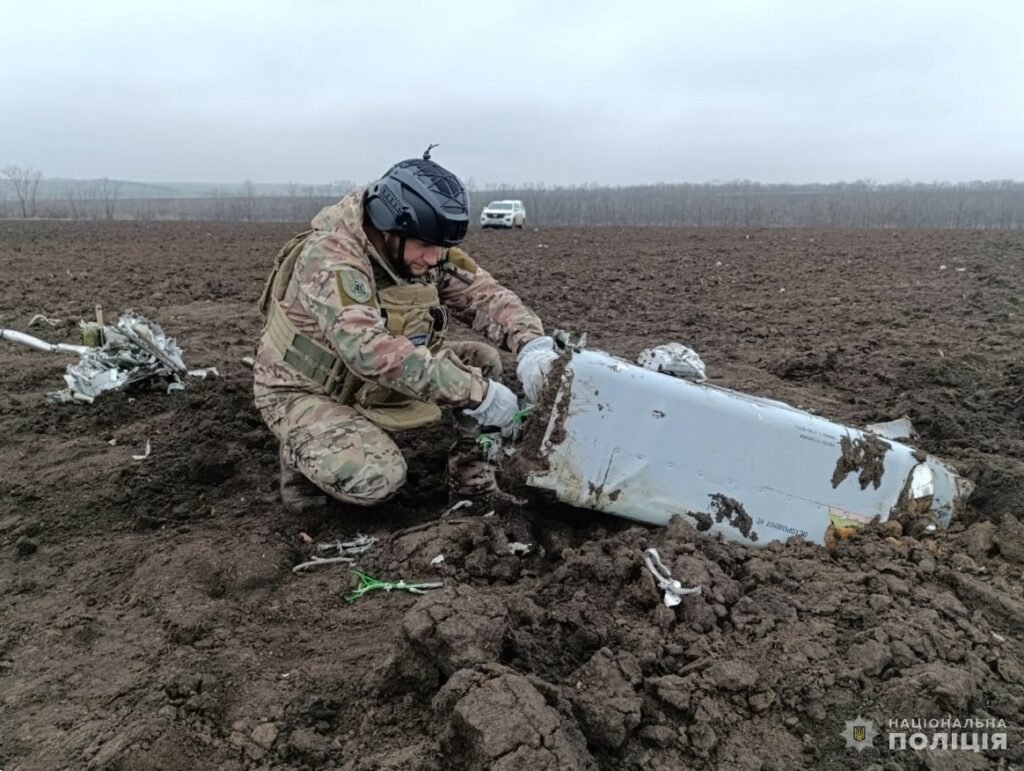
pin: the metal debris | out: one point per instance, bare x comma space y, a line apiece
358, 545
337, 552
39, 318
516, 547
21, 338
438, 560
674, 359
899, 430
634, 443
145, 453
674, 591
464, 503
133, 351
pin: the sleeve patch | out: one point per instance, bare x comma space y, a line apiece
353, 287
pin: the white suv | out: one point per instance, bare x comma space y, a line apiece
503, 214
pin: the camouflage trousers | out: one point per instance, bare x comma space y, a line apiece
354, 461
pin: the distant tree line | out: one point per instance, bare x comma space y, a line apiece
862, 204
738, 204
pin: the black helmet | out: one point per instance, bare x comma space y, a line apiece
419, 199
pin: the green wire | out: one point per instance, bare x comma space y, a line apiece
520, 416
369, 584
486, 441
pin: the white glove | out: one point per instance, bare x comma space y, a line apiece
534, 364
498, 408
674, 359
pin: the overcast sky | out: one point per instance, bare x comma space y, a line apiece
558, 92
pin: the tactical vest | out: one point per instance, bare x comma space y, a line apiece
409, 310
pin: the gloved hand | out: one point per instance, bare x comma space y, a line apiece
534, 364
498, 409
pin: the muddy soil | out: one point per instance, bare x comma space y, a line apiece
150, 619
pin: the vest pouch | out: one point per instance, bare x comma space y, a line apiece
393, 411
410, 310
398, 417
413, 310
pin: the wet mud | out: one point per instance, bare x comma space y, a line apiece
864, 455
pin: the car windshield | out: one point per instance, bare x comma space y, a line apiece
500, 206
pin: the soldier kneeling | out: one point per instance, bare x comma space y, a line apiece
353, 346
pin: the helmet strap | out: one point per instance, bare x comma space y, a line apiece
403, 269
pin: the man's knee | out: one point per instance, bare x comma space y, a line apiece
373, 481
345, 455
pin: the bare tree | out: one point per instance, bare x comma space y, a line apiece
108, 191
142, 209
247, 199
74, 198
25, 181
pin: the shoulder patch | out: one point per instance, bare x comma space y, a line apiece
462, 261
353, 286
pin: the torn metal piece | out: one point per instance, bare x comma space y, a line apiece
358, 545
207, 373
67, 396
149, 336
39, 318
463, 504
132, 351
516, 547
899, 430
564, 342
674, 359
145, 453
21, 338
631, 442
317, 562
438, 560
673, 589
336, 552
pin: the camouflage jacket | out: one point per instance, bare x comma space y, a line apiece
313, 303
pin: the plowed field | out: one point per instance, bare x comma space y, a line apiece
150, 619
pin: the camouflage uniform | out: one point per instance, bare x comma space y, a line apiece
333, 298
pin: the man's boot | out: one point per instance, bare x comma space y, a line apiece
471, 477
298, 494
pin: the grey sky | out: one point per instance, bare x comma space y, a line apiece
555, 92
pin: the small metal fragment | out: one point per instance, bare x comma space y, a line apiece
39, 318
674, 591
149, 449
